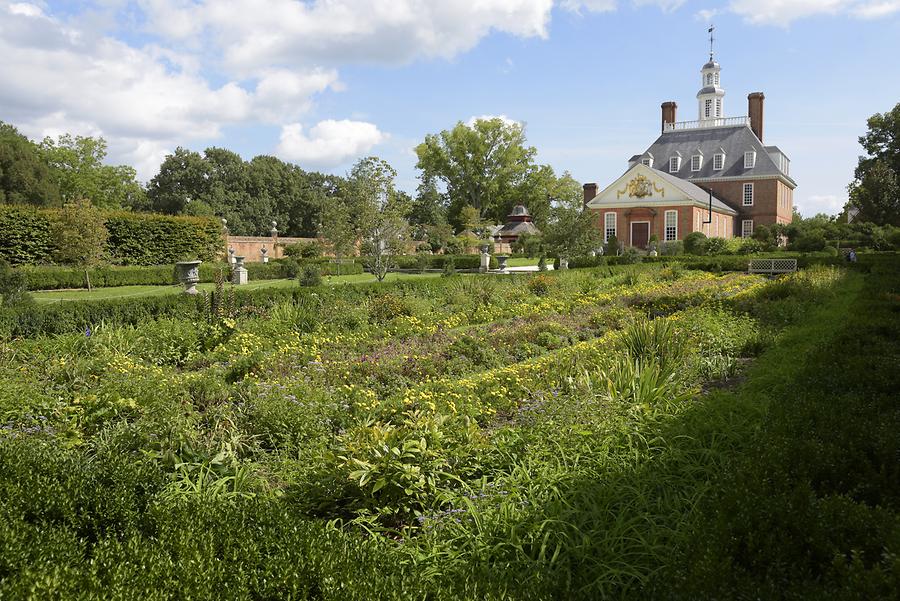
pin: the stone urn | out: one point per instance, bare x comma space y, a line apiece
501, 262
189, 275
239, 272
485, 262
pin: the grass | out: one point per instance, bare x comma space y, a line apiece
523, 262
55, 296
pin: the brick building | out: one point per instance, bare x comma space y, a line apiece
712, 175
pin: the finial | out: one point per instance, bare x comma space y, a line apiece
712, 39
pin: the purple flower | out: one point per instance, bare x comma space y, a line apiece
87, 332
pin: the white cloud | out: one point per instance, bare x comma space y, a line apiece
329, 143
506, 120
144, 101
783, 12
829, 204
253, 34
597, 6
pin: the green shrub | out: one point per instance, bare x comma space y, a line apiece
716, 246
695, 243
449, 268
13, 286
385, 307
310, 276
540, 284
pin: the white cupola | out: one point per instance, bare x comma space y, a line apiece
710, 97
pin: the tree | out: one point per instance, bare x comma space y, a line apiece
80, 234
380, 212
429, 207
24, 176
337, 227
76, 164
482, 165
877, 195
874, 190
571, 229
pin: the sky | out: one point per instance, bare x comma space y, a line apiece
322, 83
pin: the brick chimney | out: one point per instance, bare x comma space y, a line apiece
590, 191
669, 110
755, 103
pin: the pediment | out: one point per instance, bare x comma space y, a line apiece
640, 184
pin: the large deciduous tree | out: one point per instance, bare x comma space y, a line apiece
76, 164
875, 190
25, 177
482, 165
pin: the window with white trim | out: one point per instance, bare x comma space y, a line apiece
717, 79
648, 162
749, 160
717, 226
609, 226
696, 221
709, 79
696, 162
718, 107
674, 164
746, 228
748, 195
718, 161
671, 225
708, 108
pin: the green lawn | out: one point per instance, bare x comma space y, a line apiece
54, 296
522, 262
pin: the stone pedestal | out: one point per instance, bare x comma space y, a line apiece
485, 262
239, 273
563, 263
189, 275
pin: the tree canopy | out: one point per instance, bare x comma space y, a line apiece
25, 177
76, 164
875, 191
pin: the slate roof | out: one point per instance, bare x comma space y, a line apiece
695, 192
517, 229
734, 140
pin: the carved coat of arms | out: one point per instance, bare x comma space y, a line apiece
640, 187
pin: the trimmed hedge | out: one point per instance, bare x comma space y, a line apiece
439, 261
134, 238
52, 277
25, 235
150, 239
716, 263
29, 321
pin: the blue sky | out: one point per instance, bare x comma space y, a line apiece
323, 83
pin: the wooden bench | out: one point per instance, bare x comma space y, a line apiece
772, 266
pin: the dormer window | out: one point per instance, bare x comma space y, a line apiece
674, 164
718, 161
696, 162
647, 161
749, 160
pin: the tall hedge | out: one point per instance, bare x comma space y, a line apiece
134, 238
25, 236
149, 239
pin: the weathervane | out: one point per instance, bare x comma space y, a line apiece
712, 39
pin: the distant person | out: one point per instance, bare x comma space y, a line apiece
851, 256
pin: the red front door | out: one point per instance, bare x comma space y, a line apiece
640, 234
